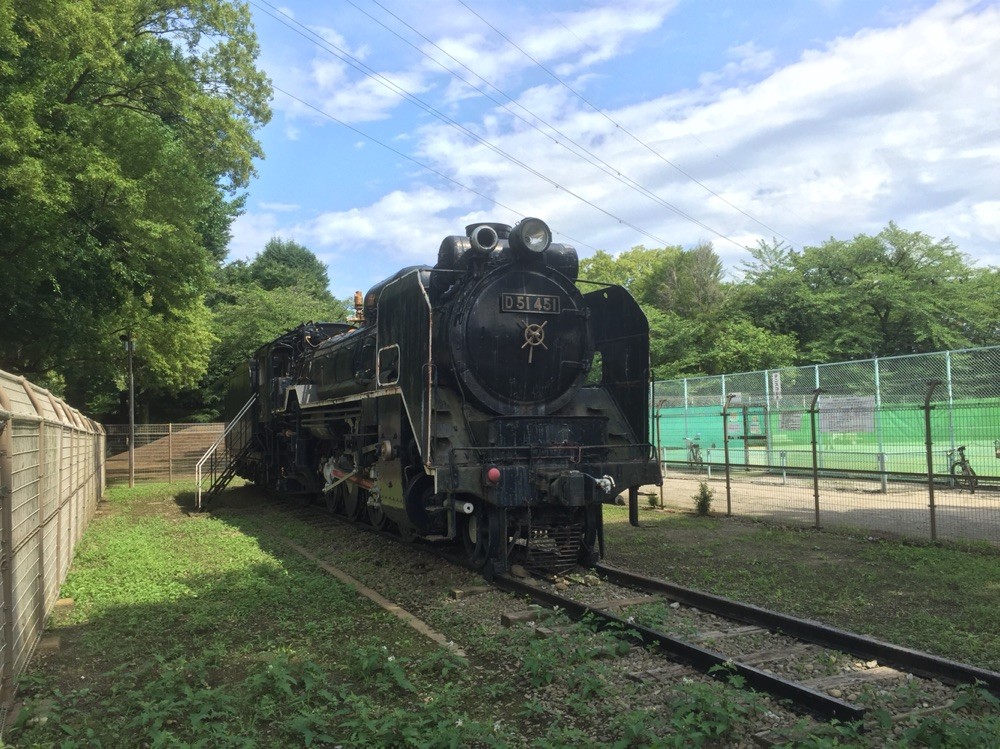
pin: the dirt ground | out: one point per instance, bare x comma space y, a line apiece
902, 509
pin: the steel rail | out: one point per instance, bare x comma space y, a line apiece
700, 658
914, 661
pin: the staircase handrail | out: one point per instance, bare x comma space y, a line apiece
225, 433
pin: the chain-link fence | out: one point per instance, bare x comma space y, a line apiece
162, 452
51, 478
907, 445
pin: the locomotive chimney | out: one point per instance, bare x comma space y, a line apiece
484, 239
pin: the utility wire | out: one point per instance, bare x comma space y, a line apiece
412, 160
361, 67
577, 149
618, 125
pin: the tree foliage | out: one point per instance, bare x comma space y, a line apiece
126, 132
286, 263
897, 292
258, 316
693, 327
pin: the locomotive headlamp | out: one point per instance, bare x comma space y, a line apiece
531, 235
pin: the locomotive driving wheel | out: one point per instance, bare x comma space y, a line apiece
355, 502
335, 499
477, 539
377, 517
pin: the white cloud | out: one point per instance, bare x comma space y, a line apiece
747, 59
890, 124
353, 92
250, 233
279, 207
893, 124
566, 42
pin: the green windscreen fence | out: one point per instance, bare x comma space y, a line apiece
868, 415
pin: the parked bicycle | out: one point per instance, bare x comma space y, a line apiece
694, 451
961, 472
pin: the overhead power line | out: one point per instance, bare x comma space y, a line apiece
361, 67
412, 160
618, 125
563, 140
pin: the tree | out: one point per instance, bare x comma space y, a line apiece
897, 292
260, 315
253, 303
690, 283
285, 263
639, 270
774, 295
126, 132
693, 327
737, 345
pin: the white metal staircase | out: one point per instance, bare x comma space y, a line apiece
218, 465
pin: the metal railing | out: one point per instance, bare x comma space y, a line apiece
162, 452
221, 457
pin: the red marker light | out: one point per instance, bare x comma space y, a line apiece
493, 475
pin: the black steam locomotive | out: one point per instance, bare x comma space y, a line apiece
484, 399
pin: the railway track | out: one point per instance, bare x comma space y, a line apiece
758, 645
724, 638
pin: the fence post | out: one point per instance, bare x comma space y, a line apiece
170, 453
39, 528
815, 451
725, 446
929, 442
6, 545
659, 443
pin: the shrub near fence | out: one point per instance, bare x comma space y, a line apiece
51, 478
868, 444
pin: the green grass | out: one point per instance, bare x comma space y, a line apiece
186, 631
939, 598
206, 630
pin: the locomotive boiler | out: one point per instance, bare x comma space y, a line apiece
485, 400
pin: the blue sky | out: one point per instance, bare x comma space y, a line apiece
623, 122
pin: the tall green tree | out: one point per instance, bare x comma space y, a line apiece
285, 263
126, 134
693, 327
257, 316
897, 292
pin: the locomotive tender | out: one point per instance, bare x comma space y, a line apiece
459, 403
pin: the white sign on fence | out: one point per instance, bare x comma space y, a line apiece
846, 413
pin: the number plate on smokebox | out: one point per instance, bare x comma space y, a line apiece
545, 304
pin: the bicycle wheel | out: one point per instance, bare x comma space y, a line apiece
964, 477
971, 478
